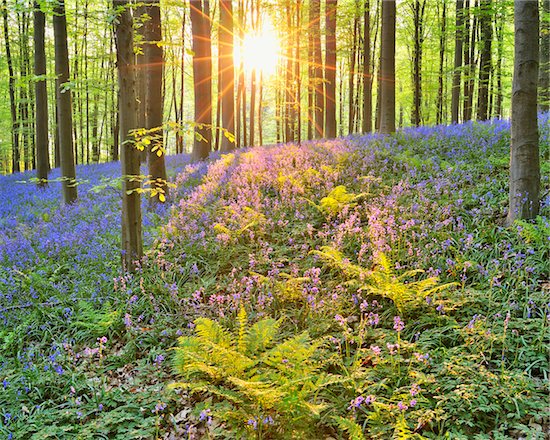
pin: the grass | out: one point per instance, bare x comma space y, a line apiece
382, 260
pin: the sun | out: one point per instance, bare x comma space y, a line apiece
260, 51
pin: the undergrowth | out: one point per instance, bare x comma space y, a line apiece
357, 288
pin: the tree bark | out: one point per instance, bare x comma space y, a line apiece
41, 124
351, 77
11, 84
154, 60
202, 79
367, 73
440, 91
544, 69
64, 105
485, 63
227, 76
330, 69
387, 68
132, 247
418, 12
459, 39
318, 78
524, 156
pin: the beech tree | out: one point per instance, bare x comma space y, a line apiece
524, 153
154, 99
202, 78
387, 68
227, 74
132, 246
41, 95
459, 40
544, 68
330, 69
486, 12
367, 72
64, 104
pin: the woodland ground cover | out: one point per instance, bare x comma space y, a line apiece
361, 287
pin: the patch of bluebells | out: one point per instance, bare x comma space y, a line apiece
83, 239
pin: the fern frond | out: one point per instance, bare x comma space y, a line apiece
261, 335
265, 393
210, 331
354, 431
242, 322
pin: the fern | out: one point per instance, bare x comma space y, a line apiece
249, 371
354, 431
384, 281
537, 233
336, 200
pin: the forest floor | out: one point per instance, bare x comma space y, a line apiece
358, 288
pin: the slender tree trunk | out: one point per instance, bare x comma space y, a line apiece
64, 105
387, 68
297, 76
524, 158
318, 78
310, 74
132, 247
41, 125
27, 93
202, 79
470, 65
330, 69
351, 76
418, 11
180, 118
459, 38
367, 72
289, 86
154, 60
13, 102
227, 76
485, 67
544, 69
442, 40
500, 54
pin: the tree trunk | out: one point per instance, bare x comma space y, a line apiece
227, 77
524, 158
202, 79
459, 39
154, 60
418, 12
297, 76
179, 117
351, 76
440, 91
470, 64
318, 79
41, 124
64, 105
367, 72
330, 69
544, 68
387, 68
11, 84
132, 247
485, 64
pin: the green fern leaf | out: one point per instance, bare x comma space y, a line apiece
354, 431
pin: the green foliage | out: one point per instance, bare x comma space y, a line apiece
354, 431
336, 200
384, 281
536, 233
253, 379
